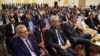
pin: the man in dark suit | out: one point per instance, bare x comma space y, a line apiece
10, 31
18, 18
10, 28
32, 26
44, 22
15, 16
90, 21
24, 45
6, 20
57, 40
30, 22
76, 36
64, 17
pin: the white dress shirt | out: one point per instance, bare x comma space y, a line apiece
31, 26
19, 19
13, 28
7, 20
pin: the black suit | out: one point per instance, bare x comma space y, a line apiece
96, 21
52, 41
9, 29
78, 38
36, 31
20, 49
43, 23
90, 23
4, 21
9, 35
15, 16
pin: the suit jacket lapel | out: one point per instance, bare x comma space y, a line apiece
71, 26
35, 47
62, 34
54, 34
23, 47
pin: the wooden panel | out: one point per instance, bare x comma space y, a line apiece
1, 3
26, 1
82, 3
66, 1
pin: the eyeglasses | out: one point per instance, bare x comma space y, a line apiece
56, 21
24, 31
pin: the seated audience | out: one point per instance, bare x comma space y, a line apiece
32, 26
85, 28
92, 21
10, 31
76, 36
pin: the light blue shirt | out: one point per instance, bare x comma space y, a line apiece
31, 26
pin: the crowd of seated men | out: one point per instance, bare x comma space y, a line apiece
23, 5
45, 31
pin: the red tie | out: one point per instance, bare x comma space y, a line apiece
29, 45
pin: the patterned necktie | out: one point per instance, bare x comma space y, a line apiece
60, 37
29, 45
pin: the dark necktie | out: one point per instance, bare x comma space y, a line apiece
60, 37
29, 45
92, 22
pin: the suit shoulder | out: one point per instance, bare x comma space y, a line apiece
50, 29
16, 42
8, 24
67, 25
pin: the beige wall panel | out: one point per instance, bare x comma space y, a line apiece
82, 3
93, 2
1, 3
18, 1
66, 1
26, 1
33, 1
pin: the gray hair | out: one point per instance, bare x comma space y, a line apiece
19, 27
54, 17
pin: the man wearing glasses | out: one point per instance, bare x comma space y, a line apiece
24, 45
